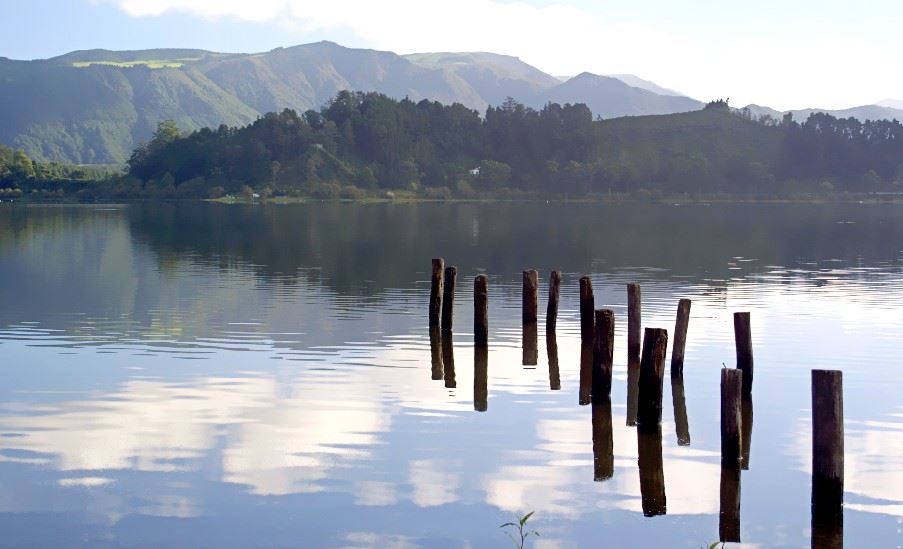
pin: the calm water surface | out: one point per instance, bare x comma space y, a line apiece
210, 375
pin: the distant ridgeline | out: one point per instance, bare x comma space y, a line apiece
367, 144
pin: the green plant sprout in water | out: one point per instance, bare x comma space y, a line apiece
524, 534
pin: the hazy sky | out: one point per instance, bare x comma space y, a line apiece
781, 53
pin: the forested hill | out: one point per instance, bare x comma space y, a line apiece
95, 106
367, 144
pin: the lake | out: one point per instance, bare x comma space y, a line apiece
189, 374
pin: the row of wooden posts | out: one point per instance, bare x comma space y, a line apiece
647, 355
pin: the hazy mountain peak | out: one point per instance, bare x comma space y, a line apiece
648, 85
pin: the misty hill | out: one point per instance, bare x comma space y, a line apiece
95, 106
862, 113
637, 82
611, 98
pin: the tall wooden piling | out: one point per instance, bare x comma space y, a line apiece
552, 352
436, 290
652, 472
680, 336
587, 306
679, 401
530, 297
743, 339
603, 440
552, 308
586, 374
827, 441
480, 379
603, 353
731, 394
448, 299
634, 321
729, 515
481, 311
652, 376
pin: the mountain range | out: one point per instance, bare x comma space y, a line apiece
95, 106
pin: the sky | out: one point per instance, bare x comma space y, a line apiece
780, 53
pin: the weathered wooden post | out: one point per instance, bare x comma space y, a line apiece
552, 308
586, 310
436, 290
480, 379
731, 386
603, 353
729, 516
634, 321
448, 299
530, 297
436, 353
552, 351
586, 374
680, 336
481, 311
743, 339
530, 336
681, 423
603, 440
827, 441
448, 361
652, 472
746, 411
652, 377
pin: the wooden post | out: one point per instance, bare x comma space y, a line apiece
680, 336
480, 379
436, 353
552, 308
731, 385
603, 353
481, 311
634, 321
729, 517
529, 334
448, 299
586, 374
603, 440
746, 413
652, 472
552, 351
586, 310
678, 399
743, 339
530, 297
652, 377
448, 361
827, 441
436, 290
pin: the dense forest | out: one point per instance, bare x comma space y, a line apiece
367, 144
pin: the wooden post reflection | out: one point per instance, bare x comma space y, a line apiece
552, 350
633, 391
436, 352
729, 517
448, 361
603, 440
679, 401
586, 373
746, 427
652, 472
530, 344
480, 379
